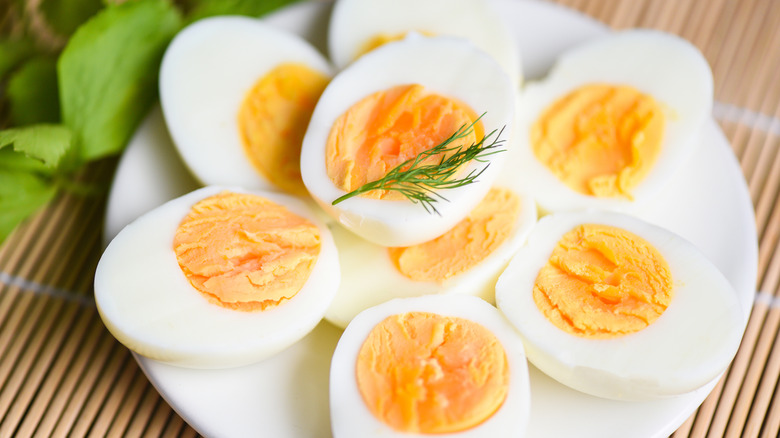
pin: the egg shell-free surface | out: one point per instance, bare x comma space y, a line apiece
354, 23
666, 67
689, 345
370, 277
350, 416
446, 66
148, 304
206, 73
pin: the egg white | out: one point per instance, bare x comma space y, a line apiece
688, 346
350, 417
148, 304
205, 74
354, 23
447, 66
664, 66
370, 278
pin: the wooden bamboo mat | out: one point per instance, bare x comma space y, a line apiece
62, 374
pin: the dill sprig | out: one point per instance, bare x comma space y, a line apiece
420, 182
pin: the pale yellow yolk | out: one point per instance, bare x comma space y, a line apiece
273, 119
245, 252
389, 127
600, 140
425, 373
465, 245
384, 38
603, 282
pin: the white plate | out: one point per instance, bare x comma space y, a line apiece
287, 395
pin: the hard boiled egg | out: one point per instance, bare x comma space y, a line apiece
358, 26
467, 259
434, 365
216, 278
237, 95
612, 121
616, 307
380, 112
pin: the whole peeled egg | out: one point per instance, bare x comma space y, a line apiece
612, 121
619, 308
429, 366
379, 113
216, 278
237, 95
358, 26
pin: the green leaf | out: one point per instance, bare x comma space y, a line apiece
13, 53
47, 144
32, 92
65, 16
108, 73
21, 194
253, 8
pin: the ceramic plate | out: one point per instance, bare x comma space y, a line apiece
287, 395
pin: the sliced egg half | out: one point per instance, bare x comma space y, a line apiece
467, 259
358, 26
379, 112
612, 121
618, 308
219, 277
450, 366
237, 95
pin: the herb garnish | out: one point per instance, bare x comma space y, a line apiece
420, 182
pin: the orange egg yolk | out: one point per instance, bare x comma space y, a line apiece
273, 119
389, 127
245, 252
600, 140
603, 282
425, 373
464, 246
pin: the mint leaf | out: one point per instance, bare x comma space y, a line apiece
108, 73
47, 144
21, 194
13, 52
32, 92
253, 8
65, 16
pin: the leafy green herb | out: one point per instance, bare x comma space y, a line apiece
108, 73
13, 52
47, 144
252, 8
32, 92
65, 16
21, 194
419, 182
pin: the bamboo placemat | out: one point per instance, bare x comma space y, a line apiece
62, 374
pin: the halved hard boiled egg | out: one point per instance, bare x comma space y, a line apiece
612, 121
467, 259
237, 95
378, 113
359, 26
432, 365
616, 307
216, 278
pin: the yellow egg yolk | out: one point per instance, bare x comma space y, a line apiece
245, 252
600, 140
465, 245
389, 127
603, 282
425, 373
384, 38
273, 119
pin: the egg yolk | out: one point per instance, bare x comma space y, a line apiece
389, 127
425, 373
273, 119
600, 140
465, 245
245, 252
603, 282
